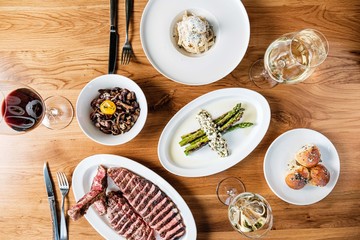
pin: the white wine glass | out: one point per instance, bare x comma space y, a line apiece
290, 59
22, 109
249, 213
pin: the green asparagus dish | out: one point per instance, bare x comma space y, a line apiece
211, 131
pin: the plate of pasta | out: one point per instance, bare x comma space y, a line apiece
194, 42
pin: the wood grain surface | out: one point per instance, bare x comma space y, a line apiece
58, 46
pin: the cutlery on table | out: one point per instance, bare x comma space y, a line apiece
51, 198
127, 51
64, 189
114, 37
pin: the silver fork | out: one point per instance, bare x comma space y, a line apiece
64, 189
127, 51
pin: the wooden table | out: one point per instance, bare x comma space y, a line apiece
58, 46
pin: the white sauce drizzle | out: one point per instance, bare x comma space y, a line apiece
216, 141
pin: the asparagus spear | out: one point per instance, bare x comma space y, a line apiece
223, 128
223, 119
229, 115
217, 120
239, 125
192, 137
202, 141
231, 121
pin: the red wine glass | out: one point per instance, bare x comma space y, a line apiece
22, 109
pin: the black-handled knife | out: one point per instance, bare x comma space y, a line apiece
51, 198
114, 37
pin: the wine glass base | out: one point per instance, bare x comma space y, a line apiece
59, 112
259, 76
228, 188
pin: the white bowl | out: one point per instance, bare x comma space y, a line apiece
83, 109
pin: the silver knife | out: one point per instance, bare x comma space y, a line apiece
114, 37
51, 198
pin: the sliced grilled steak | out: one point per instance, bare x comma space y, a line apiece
153, 205
100, 184
80, 208
125, 220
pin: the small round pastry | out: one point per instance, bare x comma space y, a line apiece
308, 156
298, 178
319, 175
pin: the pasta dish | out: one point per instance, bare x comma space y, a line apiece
194, 34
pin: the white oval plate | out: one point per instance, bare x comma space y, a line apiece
231, 27
241, 142
86, 170
283, 150
83, 109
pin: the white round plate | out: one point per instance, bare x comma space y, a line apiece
83, 109
86, 170
231, 27
283, 150
241, 142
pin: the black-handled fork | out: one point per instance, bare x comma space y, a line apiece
127, 51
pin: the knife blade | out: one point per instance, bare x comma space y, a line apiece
114, 37
51, 199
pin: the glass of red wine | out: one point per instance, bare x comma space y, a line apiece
22, 109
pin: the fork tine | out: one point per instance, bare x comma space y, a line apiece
129, 56
65, 180
126, 55
122, 57
62, 180
126, 58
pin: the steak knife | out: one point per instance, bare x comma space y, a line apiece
51, 198
114, 37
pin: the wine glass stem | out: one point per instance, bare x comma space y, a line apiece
265, 74
53, 113
232, 193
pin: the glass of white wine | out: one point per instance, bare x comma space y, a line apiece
290, 59
249, 213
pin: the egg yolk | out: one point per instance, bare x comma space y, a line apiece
108, 107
